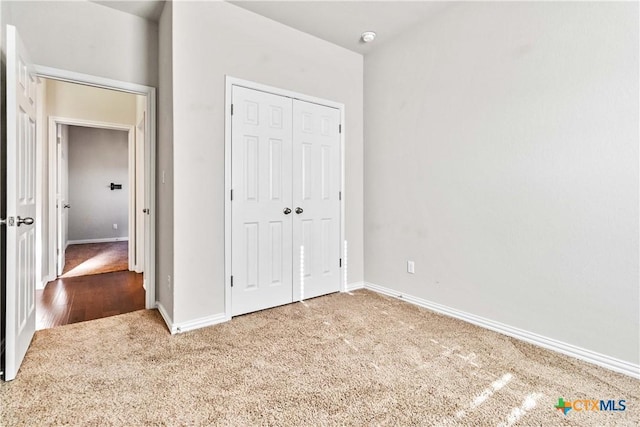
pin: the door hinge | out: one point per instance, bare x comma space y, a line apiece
58, 251
340, 128
231, 194
232, 281
232, 109
340, 263
339, 195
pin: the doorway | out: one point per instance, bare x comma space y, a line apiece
95, 197
95, 203
285, 207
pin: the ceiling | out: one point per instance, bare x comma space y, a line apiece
339, 22
148, 9
342, 22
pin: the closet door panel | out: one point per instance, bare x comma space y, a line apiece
316, 187
261, 152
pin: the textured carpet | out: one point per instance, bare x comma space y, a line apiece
96, 258
343, 359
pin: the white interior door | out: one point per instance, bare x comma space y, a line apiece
21, 203
62, 195
261, 206
316, 199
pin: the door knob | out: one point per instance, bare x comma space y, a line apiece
286, 211
25, 221
299, 211
66, 206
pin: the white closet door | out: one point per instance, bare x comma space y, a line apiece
316, 186
261, 181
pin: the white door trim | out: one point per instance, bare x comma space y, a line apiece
232, 81
139, 191
150, 161
41, 276
53, 176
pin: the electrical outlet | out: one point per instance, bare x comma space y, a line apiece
115, 226
411, 267
169, 281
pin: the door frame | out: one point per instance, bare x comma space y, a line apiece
54, 169
149, 160
233, 81
138, 199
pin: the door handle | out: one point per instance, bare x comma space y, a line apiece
66, 206
25, 221
145, 210
299, 211
286, 211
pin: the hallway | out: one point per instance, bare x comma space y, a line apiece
95, 258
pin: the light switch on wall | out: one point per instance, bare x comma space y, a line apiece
411, 267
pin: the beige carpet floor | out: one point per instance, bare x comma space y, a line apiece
344, 359
96, 258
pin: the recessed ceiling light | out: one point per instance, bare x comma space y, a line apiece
368, 36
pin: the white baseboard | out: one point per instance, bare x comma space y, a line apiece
599, 359
165, 316
178, 328
105, 240
199, 323
353, 286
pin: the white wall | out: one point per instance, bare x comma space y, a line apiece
502, 156
88, 38
211, 39
98, 157
164, 167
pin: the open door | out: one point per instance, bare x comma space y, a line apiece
21, 203
62, 195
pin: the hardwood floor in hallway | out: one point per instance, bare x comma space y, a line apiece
76, 299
